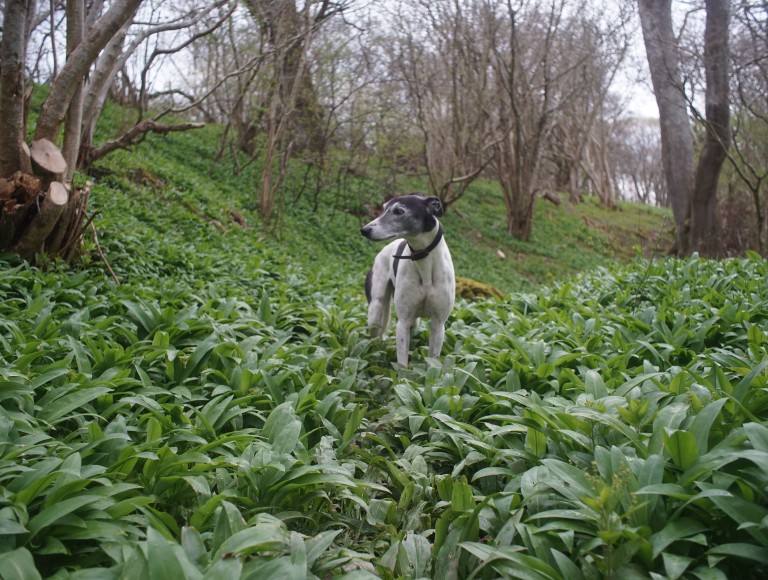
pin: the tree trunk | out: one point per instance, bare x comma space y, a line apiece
32, 240
705, 237
79, 62
74, 115
288, 28
676, 138
12, 50
98, 85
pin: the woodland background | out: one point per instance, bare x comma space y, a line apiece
187, 385
530, 95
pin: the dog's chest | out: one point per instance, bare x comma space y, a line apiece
426, 288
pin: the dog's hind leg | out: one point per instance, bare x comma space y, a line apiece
436, 337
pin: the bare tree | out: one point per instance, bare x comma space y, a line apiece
533, 86
595, 44
693, 195
749, 87
661, 49
636, 154
13, 51
293, 116
443, 56
41, 211
704, 234
195, 21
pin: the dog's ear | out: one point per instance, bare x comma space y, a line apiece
434, 206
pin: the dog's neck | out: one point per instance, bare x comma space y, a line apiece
422, 244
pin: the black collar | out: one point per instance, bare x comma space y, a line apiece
421, 254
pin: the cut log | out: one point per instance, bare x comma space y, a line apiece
47, 157
69, 224
32, 239
58, 193
17, 197
26, 158
9, 219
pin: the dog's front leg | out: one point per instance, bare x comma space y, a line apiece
436, 337
403, 337
378, 317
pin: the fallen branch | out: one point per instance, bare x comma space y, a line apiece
74, 235
551, 197
200, 215
135, 135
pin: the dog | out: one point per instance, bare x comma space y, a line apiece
416, 268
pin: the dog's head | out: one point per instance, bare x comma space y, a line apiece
404, 216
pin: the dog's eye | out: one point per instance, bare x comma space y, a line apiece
398, 211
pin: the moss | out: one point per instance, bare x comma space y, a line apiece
474, 290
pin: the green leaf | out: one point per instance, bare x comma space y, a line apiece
51, 514
462, 499
741, 550
380, 511
594, 385
225, 569
536, 441
57, 409
167, 559
682, 448
282, 428
317, 545
18, 565
418, 554
675, 565
267, 533
683, 529
702, 424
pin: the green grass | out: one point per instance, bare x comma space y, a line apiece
222, 412
566, 239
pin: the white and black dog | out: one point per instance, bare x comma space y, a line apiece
417, 270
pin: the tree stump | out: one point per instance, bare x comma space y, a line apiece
51, 208
47, 157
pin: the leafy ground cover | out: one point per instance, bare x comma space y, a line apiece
221, 414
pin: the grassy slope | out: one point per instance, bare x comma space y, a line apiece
566, 239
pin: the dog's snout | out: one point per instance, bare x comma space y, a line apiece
366, 230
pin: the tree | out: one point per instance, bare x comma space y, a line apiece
750, 119
595, 45
442, 54
693, 194
41, 213
704, 234
293, 116
661, 50
534, 83
636, 154
195, 22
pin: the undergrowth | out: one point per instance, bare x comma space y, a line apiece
222, 413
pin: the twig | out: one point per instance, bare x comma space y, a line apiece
103, 259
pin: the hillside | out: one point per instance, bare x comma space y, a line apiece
222, 413
177, 173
